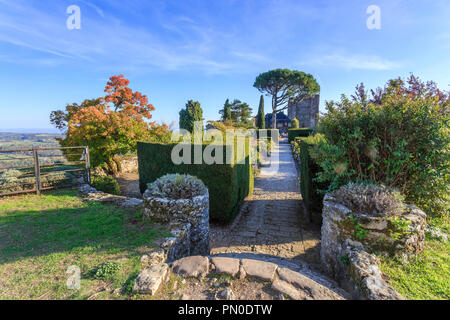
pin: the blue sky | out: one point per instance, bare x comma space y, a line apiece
175, 50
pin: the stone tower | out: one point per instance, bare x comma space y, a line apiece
306, 111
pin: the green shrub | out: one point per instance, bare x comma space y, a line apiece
106, 184
228, 184
106, 270
401, 140
177, 186
295, 124
298, 132
309, 186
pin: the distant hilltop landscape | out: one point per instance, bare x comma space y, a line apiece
29, 130
12, 140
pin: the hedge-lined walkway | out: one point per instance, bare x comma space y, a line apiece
272, 220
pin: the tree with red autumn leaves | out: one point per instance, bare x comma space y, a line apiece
110, 125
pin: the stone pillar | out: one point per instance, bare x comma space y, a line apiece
189, 216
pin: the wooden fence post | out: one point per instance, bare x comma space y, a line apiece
37, 171
88, 165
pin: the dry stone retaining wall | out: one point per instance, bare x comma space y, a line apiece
349, 239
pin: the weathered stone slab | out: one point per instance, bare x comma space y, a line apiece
132, 202
194, 266
315, 290
226, 265
290, 290
259, 269
150, 279
154, 258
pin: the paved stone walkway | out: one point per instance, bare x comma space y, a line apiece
272, 221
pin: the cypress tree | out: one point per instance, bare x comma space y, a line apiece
226, 111
260, 117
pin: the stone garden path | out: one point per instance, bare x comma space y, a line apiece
272, 221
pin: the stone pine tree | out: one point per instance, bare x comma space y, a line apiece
191, 113
260, 117
286, 85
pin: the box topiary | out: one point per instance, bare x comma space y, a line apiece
228, 184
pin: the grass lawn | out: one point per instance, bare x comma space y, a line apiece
428, 275
40, 237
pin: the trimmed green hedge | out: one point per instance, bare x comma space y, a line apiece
228, 184
269, 133
312, 198
299, 132
106, 184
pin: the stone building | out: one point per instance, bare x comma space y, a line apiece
306, 111
283, 121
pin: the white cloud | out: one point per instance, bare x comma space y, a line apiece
253, 56
353, 61
110, 42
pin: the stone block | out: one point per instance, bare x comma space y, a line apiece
151, 278
226, 265
259, 269
194, 266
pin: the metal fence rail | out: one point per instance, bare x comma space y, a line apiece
38, 169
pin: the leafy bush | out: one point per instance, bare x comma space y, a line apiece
295, 124
177, 186
228, 184
299, 132
106, 184
369, 198
106, 270
400, 138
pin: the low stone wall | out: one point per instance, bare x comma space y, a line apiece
296, 285
92, 194
349, 239
189, 236
129, 164
188, 222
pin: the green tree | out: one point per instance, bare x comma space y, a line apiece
260, 117
193, 112
60, 118
398, 137
243, 113
286, 85
226, 111
109, 125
